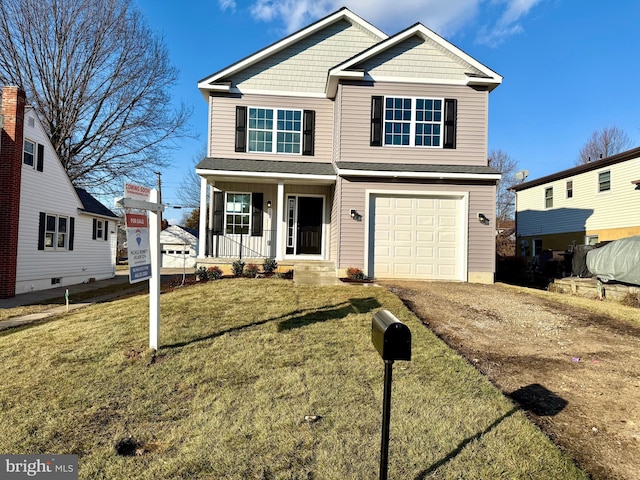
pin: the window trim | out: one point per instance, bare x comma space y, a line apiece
413, 122
548, 197
55, 233
569, 189
274, 130
227, 213
534, 250
606, 182
33, 154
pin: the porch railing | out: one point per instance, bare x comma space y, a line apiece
242, 245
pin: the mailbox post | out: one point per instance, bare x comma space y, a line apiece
392, 339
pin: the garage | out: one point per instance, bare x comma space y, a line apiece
417, 237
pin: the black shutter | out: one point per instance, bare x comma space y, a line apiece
450, 115
40, 159
106, 230
241, 129
72, 231
308, 127
218, 212
41, 230
95, 229
376, 121
256, 214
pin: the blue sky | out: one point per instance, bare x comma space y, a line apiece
569, 67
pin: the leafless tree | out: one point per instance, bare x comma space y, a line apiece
604, 143
189, 193
100, 80
505, 204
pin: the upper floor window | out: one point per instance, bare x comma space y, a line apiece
604, 181
548, 197
413, 122
570, 189
282, 134
237, 213
272, 130
29, 153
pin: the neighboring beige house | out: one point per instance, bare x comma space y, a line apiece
586, 204
52, 233
345, 146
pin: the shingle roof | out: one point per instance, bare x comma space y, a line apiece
91, 205
266, 166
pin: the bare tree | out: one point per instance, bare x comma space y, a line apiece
100, 81
604, 143
189, 193
505, 204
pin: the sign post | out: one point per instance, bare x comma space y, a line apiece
140, 234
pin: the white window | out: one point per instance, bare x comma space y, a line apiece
591, 240
275, 131
537, 246
548, 197
413, 122
570, 189
237, 213
99, 229
604, 181
29, 153
56, 232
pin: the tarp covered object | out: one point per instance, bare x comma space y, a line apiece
618, 260
579, 261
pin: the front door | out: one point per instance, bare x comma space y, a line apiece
305, 225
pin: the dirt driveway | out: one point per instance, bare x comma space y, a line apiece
576, 371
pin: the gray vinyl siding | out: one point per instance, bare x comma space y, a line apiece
223, 121
418, 58
355, 123
303, 66
481, 238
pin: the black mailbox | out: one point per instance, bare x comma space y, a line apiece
390, 336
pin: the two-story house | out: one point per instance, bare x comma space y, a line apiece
51, 233
341, 144
583, 205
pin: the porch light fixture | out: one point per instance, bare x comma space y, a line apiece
355, 215
482, 218
268, 203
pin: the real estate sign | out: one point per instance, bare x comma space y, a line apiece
138, 246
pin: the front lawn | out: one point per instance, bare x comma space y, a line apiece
241, 363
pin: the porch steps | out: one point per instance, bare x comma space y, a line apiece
315, 273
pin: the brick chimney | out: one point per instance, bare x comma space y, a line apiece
11, 144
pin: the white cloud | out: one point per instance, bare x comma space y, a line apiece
227, 5
498, 19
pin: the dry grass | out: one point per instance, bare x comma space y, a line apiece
242, 362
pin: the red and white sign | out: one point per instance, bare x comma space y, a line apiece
138, 247
138, 192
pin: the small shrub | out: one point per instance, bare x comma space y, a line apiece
214, 273
288, 275
201, 274
251, 270
269, 265
354, 273
237, 268
631, 300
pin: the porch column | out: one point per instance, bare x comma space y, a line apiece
280, 222
203, 233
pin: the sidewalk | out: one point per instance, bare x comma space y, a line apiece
31, 298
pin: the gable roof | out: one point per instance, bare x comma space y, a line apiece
217, 81
93, 206
477, 74
570, 172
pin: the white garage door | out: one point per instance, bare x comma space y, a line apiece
418, 237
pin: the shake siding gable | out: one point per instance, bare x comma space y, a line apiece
471, 129
420, 59
303, 67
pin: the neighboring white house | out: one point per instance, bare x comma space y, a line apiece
56, 235
587, 204
179, 246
